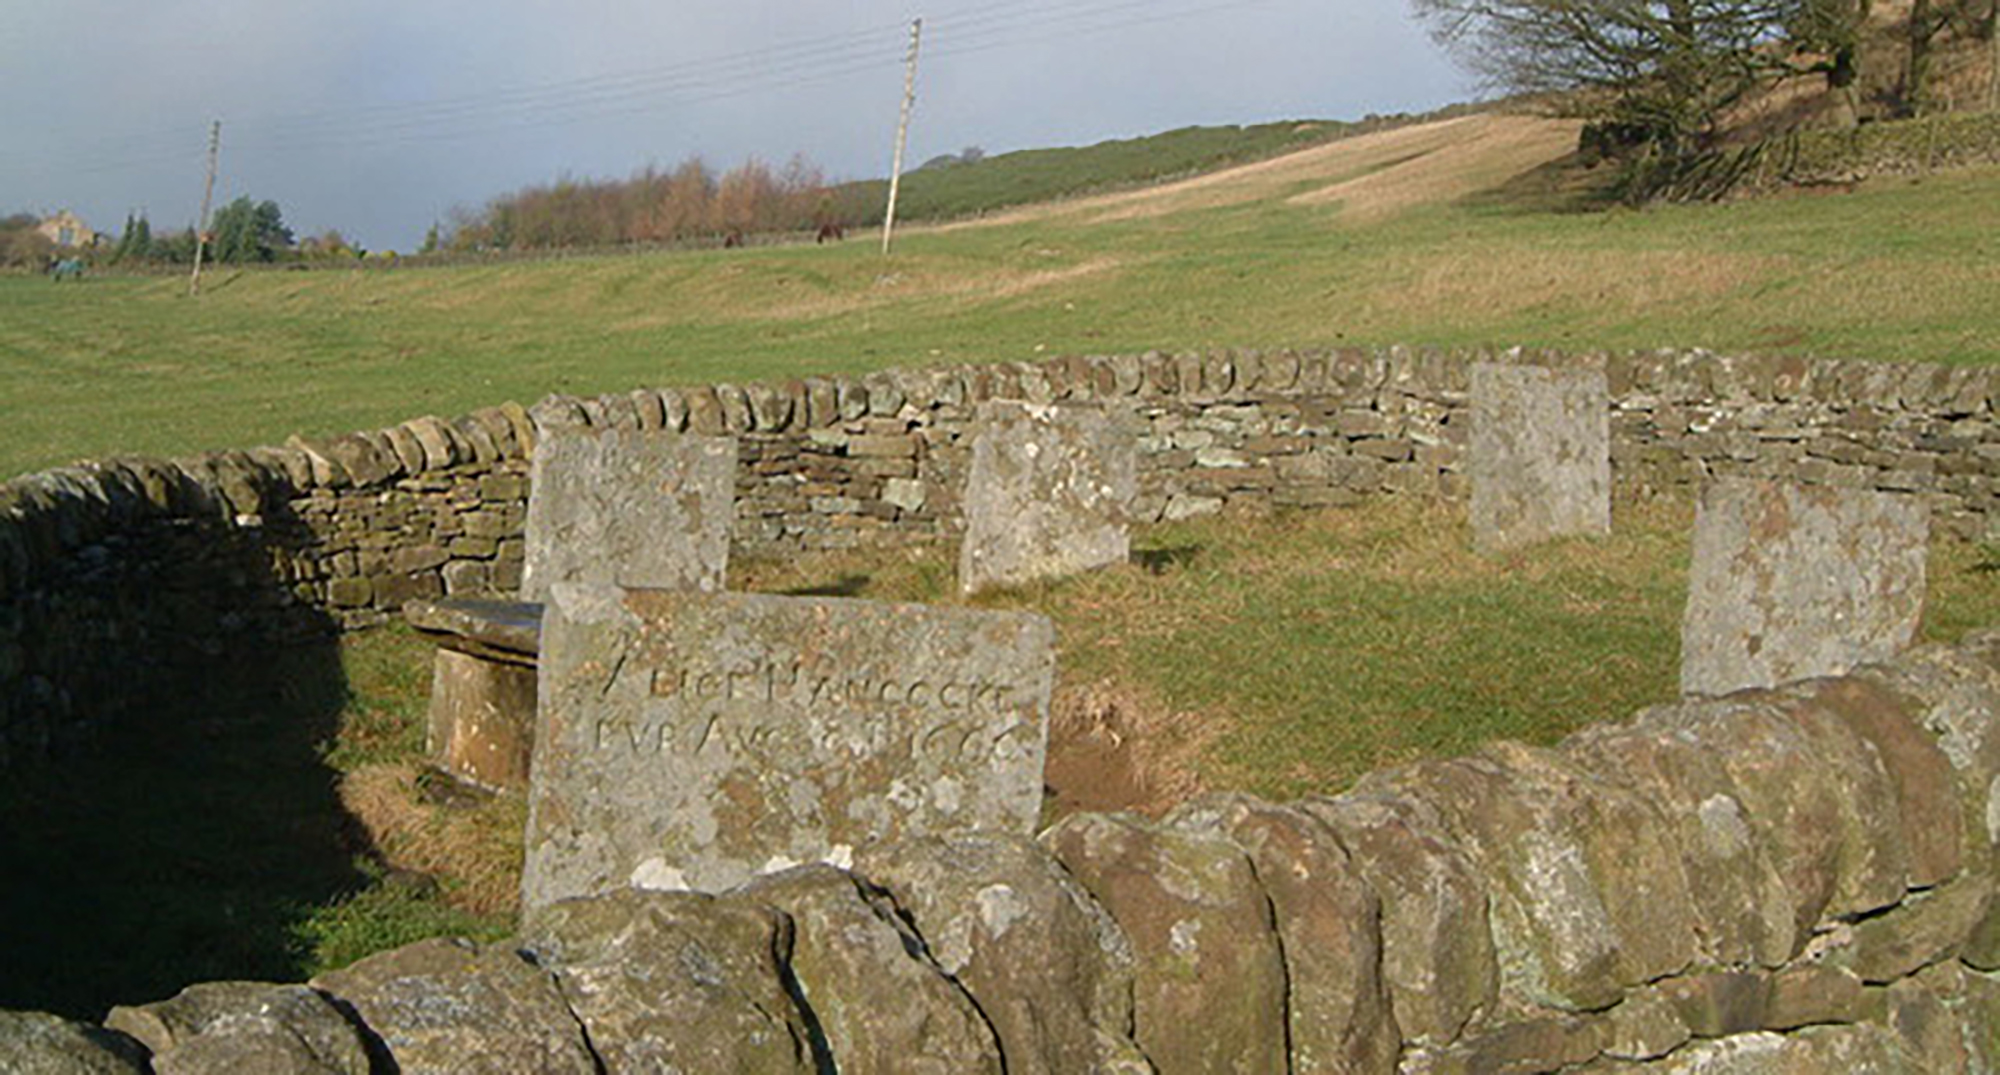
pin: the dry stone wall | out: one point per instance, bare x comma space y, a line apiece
1797, 880
117, 576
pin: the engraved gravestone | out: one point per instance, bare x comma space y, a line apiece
1048, 494
629, 509
699, 740
1540, 455
1790, 582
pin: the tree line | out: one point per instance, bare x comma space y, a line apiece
688, 203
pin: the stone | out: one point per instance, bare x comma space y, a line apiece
1540, 456
677, 982
882, 1004
1209, 988
906, 494
35, 1043
451, 1005
1048, 494
697, 740
630, 509
245, 1027
1812, 994
1743, 907
1588, 891
1049, 968
1438, 960
481, 723
1805, 811
1790, 582
1329, 924
1930, 927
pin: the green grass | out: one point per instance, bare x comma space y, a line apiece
1902, 269
1031, 176
271, 824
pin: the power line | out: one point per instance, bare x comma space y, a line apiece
965, 31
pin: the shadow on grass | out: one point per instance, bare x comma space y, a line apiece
844, 586
188, 838
1159, 561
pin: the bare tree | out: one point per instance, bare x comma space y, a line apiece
1661, 70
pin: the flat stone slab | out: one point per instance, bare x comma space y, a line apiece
629, 508
503, 630
1791, 582
1540, 458
695, 741
1048, 494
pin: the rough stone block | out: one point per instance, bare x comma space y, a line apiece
697, 741
445, 1005
1540, 458
1790, 582
630, 509
244, 1027
482, 718
1048, 495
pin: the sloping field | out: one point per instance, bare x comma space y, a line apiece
1370, 176
1405, 236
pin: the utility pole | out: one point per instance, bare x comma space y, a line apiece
902, 130
207, 196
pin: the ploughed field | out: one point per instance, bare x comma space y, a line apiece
281, 822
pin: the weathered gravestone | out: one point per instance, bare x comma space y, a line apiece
1048, 494
629, 509
1791, 582
1541, 454
696, 741
618, 507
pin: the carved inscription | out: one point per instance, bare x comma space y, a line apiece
695, 740
779, 706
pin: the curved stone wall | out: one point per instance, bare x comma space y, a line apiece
134, 566
1800, 880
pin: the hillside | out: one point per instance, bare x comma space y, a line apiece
1411, 235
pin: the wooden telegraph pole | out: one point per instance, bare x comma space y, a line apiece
207, 196
902, 131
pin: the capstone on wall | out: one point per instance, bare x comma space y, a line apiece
119, 576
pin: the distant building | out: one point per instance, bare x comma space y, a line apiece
66, 229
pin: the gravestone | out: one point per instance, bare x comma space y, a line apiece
1790, 582
699, 740
618, 507
1048, 494
626, 508
1541, 455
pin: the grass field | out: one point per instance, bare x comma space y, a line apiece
279, 822
1320, 254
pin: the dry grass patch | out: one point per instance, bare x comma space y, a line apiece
420, 823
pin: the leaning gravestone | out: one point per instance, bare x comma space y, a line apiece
696, 741
1541, 455
630, 509
1048, 494
1790, 582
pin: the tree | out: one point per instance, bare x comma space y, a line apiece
1663, 69
135, 243
246, 231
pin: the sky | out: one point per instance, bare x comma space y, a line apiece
378, 117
